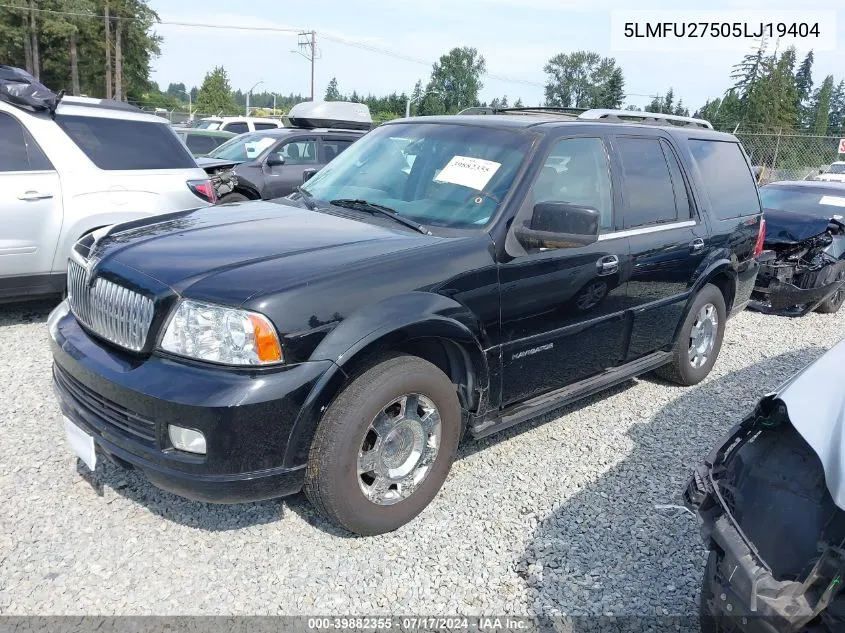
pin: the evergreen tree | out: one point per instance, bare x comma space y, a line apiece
215, 94
836, 123
804, 88
518, 104
332, 93
821, 107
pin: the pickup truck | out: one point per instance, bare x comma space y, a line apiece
444, 277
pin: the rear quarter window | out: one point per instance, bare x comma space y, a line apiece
728, 181
120, 144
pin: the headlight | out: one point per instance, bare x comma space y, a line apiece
221, 335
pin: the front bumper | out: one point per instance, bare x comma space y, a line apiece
784, 299
126, 403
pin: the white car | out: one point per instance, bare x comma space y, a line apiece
238, 124
834, 173
93, 164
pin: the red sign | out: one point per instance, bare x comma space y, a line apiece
842, 146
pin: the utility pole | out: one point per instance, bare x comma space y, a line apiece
308, 49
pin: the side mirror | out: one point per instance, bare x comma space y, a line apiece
307, 174
560, 225
275, 159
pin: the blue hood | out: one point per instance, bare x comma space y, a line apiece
787, 227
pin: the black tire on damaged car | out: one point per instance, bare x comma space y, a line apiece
232, 197
681, 370
707, 621
334, 473
827, 275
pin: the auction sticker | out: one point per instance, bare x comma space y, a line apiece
835, 201
470, 172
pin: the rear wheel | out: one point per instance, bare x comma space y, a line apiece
232, 197
385, 446
699, 341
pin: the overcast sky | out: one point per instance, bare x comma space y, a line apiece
516, 37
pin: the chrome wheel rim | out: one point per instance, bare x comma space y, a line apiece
591, 295
703, 335
399, 448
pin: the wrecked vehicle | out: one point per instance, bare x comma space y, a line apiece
771, 500
802, 267
267, 164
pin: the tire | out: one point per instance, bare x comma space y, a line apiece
232, 197
708, 622
681, 369
346, 443
832, 304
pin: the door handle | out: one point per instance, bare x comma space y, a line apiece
696, 246
608, 264
34, 195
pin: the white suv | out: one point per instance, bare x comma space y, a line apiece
238, 124
834, 173
93, 164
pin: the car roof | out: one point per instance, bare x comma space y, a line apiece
839, 187
230, 119
547, 122
199, 131
105, 108
287, 131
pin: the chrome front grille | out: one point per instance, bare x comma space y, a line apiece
117, 314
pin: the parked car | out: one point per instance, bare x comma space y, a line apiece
771, 502
273, 163
803, 265
238, 124
345, 338
835, 172
201, 141
69, 171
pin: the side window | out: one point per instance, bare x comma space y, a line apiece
682, 201
302, 152
18, 151
648, 196
265, 126
200, 144
238, 127
727, 178
332, 147
576, 171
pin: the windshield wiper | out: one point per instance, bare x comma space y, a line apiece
307, 198
380, 209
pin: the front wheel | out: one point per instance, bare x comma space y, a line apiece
699, 341
832, 304
385, 446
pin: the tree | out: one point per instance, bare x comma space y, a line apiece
176, 90
804, 87
456, 78
518, 104
215, 94
583, 79
504, 102
668, 101
332, 93
821, 107
836, 124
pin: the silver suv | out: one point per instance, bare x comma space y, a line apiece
92, 164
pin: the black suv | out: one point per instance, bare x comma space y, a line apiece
444, 276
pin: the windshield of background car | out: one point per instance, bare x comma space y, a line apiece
208, 124
836, 169
438, 174
244, 147
818, 202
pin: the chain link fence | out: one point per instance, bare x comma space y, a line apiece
788, 155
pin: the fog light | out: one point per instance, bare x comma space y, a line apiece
187, 440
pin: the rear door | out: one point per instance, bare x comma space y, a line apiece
236, 127
332, 146
30, 204
667, 240
298, 154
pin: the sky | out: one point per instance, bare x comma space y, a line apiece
516, 38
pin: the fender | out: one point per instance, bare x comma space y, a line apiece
712, 268
380, 327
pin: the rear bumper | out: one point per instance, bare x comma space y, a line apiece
126, 404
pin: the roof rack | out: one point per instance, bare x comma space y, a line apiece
108, 104
649, 118
572, 112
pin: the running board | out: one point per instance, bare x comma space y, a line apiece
559, 397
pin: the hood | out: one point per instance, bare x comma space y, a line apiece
213, 164
788, 227
815, 403
184, 250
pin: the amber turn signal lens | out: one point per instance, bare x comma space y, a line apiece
266, 342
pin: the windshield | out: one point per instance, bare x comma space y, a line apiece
437, 174
818, 202
837, 168
244, 147
208, 124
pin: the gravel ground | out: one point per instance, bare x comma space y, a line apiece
557, 516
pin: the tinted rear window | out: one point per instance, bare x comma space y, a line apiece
117, 144
727, 178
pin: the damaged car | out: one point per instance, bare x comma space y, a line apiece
802, 267
268, 164
771, 500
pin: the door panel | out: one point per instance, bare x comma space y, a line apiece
299, 154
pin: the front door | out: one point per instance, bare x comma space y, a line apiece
30, 205
297, 155
563, 309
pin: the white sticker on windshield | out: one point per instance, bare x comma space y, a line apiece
834, 201
470, 172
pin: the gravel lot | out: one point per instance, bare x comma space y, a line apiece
557, 516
